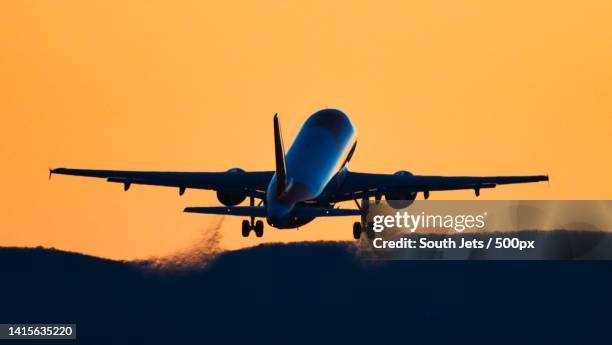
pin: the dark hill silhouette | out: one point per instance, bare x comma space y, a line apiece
308, 293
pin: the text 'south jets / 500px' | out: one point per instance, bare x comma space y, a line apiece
308, 181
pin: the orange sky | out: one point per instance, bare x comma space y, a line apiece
437, 87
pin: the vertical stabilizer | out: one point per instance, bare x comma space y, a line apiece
279, 151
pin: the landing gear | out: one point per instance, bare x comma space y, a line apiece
251, 224
363, 226
370, 231
246, 228
259, 228
357, 230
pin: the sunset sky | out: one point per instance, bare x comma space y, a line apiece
433, 87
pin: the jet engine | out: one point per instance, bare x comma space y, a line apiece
231, 198
399, 199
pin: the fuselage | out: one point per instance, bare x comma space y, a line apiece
315, 164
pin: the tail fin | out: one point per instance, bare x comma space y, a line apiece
279, 151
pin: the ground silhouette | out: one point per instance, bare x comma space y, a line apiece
308, 293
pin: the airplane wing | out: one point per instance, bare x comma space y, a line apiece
360, 185
249, 183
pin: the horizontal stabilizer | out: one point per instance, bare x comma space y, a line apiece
311, 212
250, 211
260, 211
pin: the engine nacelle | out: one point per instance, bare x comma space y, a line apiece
230, 198
399, 200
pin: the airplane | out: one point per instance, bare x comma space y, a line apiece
307, 183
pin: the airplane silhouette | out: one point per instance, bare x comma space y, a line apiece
308, 181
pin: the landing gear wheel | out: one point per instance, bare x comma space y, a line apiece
357, 230
259, 228
370, 231
246, 228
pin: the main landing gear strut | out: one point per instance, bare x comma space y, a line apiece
247, 225
363, 226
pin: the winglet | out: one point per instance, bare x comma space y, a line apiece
279, 152
50, 173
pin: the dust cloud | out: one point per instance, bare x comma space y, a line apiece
198, 255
